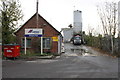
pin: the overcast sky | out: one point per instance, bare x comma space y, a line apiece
59, 13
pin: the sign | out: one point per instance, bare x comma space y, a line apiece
9, 51
33, 32
55, 38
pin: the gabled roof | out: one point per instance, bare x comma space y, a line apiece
31, 18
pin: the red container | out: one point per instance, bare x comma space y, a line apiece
11, 50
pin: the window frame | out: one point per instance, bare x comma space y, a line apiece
50, 46
23, 40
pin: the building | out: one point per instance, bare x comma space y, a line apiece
51, 37
77, 26
77, 21
67, 34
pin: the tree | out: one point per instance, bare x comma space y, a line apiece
90, 30
10, 15
70, 26
108, 17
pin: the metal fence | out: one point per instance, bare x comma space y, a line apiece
119, 45
105, 44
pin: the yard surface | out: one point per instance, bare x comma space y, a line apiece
78, 61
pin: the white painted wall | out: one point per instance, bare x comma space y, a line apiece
77, 22
67, 34
59, 44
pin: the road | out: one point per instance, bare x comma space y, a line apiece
76, 62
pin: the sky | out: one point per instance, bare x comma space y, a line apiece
59, 13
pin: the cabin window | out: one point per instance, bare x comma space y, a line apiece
46, 43
28, 43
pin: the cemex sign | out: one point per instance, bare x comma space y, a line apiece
33, 32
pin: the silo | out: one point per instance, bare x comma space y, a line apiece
77, 21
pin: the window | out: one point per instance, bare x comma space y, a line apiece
28, 42
46, 43
77, 38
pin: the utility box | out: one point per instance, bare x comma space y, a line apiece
11, 50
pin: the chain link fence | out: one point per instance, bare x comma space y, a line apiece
119, 45
104, 43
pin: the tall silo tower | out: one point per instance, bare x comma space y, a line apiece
77, 21
119, 18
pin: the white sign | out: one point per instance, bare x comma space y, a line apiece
9, 51
33, 32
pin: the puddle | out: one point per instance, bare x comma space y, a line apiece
82, 52
75, 50
78, 51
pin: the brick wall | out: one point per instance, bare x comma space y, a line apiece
48, 30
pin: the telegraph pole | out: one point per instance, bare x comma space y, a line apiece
37, 19
37, 13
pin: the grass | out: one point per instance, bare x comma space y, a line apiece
30, 55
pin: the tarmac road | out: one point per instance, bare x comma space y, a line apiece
76, 62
